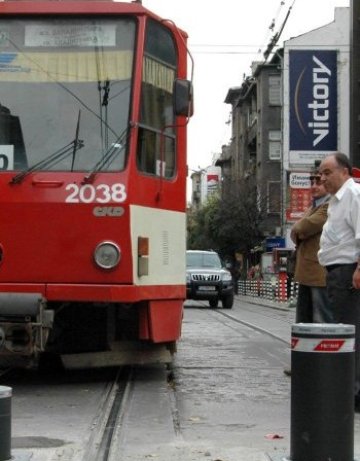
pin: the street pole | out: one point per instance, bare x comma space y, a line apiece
355, 83
5, 423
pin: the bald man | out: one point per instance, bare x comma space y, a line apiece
339, 249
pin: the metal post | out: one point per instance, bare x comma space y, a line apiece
5, 423
322, 392
354, 145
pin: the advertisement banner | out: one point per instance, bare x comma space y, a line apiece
274, 242
212, 183
313, 105
298, 196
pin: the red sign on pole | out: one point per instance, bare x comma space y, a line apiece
298, 195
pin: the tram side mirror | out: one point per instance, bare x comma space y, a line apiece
183, 97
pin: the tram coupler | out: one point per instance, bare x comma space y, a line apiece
24, 325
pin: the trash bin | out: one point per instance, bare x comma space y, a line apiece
322, 392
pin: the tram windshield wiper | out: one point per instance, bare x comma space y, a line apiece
51, 160
108, 156
76, 142
54, 157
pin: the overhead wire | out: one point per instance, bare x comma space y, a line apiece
230, 52
245, 49
272, 25
274, 40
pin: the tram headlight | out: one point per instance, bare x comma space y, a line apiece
107, 255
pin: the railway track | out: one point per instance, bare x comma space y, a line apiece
110, 424
223, 368
255, 316
253, 326
115, 416
108, 421
225, 392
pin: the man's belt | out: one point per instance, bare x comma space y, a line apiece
331, 267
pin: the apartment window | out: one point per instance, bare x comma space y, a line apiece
274, 196
275, 145
274, 90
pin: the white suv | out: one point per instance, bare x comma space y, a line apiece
207, 278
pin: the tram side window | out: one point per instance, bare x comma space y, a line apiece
156, 153
147, 151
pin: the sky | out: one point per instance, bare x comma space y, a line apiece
224, 39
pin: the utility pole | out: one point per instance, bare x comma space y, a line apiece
355, 83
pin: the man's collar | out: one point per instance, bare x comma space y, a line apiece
339, 194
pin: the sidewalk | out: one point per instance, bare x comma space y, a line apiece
290, 306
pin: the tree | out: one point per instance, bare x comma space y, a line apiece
199, 225
230, 223
239, 216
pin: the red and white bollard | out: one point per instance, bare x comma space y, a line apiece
322, 392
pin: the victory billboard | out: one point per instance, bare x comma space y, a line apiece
313, 105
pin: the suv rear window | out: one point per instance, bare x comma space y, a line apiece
203, 260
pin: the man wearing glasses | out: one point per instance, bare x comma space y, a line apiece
340, 248
312, 303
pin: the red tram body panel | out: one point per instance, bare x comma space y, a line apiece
94, 104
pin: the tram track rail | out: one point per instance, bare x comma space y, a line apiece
109, 426
252, 326
175, 414
141, 412
108, 421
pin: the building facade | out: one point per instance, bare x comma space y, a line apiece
255, 146
316, 88
291, 111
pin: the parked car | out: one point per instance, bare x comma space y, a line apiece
208, 279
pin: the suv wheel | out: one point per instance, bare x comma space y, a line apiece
213, 303
228, 301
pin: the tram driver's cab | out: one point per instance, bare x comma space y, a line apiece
12, 148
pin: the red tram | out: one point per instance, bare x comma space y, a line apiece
94, 104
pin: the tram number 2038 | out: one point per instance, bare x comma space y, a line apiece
102, 193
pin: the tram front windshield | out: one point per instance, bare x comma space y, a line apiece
65, 89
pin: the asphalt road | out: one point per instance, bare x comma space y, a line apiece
225, 399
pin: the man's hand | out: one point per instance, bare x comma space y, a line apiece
356, 278
293, 236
